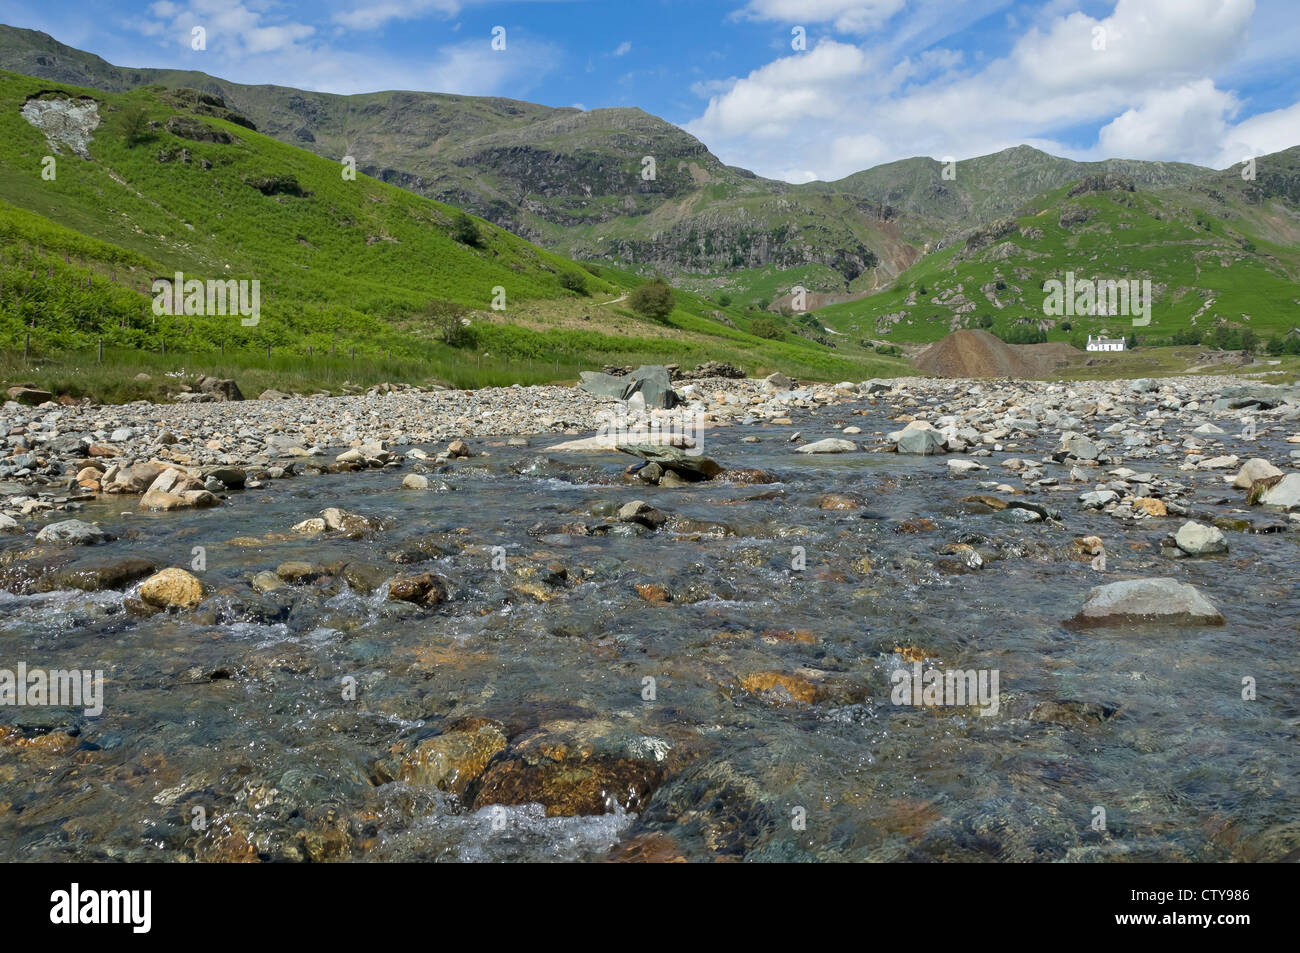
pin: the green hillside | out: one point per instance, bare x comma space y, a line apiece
345, 266
1221, 255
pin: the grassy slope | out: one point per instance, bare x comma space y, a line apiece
352, 266
1194, 248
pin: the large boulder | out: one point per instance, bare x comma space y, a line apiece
1197, 539
223, 388
73, 532
29, 394
1078, 446
1133, 601
919, 441
1252, 471
1286, 493
651, 381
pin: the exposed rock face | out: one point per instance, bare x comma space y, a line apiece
1101, 183
186, 127
64, 120
990, 233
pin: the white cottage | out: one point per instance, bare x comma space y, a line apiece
1103, 343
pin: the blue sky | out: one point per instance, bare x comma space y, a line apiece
1205, 81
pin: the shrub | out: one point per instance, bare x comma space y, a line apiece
768, 328
724, 301
574, 281
465, 231
653, 300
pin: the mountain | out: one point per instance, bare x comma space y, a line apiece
573, 180
870, 245
988, 187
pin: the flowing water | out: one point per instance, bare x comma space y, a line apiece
230, 732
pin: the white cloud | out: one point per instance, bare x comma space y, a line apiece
1259, 135
234, 29
847, 16
1189, 121
377, 15
798, 176
624, 47
245, 43
1147, 86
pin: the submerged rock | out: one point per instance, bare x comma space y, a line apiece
1132, 601
172, 589
569, 783
1072, 713
451, 761
829, 445
689, 466
424, 589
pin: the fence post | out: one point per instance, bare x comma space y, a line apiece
27, 347
101, 350
164, 345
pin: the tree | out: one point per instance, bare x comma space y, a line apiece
768, 328
449, 318
135, 125
1132, 340
724, 301
653, 300
465, 231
